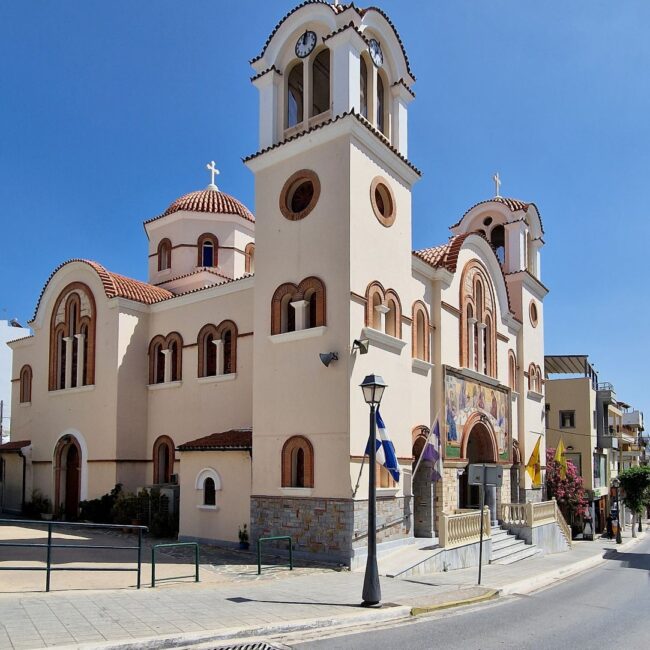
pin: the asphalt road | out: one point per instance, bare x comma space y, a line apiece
606, 607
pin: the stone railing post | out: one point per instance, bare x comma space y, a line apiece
529, 514
443, 530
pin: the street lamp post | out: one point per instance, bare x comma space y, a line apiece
616, 484
373, 387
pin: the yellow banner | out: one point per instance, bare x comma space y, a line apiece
534, 466
560, 457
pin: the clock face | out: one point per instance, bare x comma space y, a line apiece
376, 54
305, 44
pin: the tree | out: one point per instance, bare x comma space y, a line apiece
635, 483
569, 492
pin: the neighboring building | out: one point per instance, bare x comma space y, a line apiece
572, 416
9, 330
210, 375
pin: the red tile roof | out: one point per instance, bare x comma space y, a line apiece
208, 200
235, 439
514, 205
15, 445
116, 286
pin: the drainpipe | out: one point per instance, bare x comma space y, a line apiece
20, 453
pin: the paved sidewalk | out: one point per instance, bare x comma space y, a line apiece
272, 604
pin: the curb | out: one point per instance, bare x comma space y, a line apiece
419, 611
544, 579
184, 639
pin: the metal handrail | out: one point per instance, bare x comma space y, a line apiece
269, 539
174, 544
48, 568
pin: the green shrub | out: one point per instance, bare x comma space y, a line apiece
38, 505
100, 511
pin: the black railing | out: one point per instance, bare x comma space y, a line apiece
48, 568
273, 539
195, 575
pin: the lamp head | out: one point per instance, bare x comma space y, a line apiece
616, 483
373, 387
327, 357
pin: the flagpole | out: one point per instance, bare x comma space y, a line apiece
419, 460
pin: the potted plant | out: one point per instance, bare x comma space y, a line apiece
243, 538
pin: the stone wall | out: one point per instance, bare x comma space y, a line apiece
446, 494
329, 529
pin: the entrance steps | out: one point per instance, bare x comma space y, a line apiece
412, 560
508, 549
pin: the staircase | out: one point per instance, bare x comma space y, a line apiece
507, 549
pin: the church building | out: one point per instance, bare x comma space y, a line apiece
209, 375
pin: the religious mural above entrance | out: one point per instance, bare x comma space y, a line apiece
467, 400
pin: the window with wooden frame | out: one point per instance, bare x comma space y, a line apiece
512, 370
296, 307
166, 358
25, 384
164, 254
383, 310
478, 320
249, 261
163, 460
208, 250
72, 339
420, 332
298, 463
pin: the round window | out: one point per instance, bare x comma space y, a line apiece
534, 316
299, 195
383, 201
487, 221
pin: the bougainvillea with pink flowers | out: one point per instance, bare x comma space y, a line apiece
569, 492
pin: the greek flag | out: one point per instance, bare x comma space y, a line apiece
385, 450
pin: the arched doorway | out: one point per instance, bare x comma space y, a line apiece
423, 487
479, 447
67, 468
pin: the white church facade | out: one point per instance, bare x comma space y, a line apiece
209, 373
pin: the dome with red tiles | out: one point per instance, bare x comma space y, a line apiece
208, 200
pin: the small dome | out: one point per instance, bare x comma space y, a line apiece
209, 200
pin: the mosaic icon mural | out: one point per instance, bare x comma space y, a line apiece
465, 397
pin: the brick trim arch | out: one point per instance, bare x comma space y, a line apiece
70, 293
489, 441
512, 370
249, 259
311, 286
230, 355
373, 289
288, 288
171, 453
290, 184
26, 384
207, 237
296, 443
163, 251
420, 308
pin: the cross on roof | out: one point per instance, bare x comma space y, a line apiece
497, 183
212, 168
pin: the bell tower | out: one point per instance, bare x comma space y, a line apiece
333, 215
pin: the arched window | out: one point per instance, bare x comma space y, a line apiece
209, 492
227, 334
394, 315
164, 255
208, 483
375, 295
207, 351
165, 358
498, 241
363, 101
512, 370
320, 83
298, 463
478, 320
382, 112
534, 378
163, 460
25, 384
208, 250
249, 263
72, 338
420, 332
298, 307
295, 95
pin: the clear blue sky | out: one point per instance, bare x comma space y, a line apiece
110, 110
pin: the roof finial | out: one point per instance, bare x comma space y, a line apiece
497, 184
212, 168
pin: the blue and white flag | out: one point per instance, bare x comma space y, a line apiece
385, 450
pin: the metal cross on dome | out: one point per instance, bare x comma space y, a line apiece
497, 183
212, 168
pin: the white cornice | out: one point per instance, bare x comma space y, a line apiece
191, 215
426, 270
348, 125
531, 283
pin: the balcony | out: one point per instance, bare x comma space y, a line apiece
633, 419
606, 392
